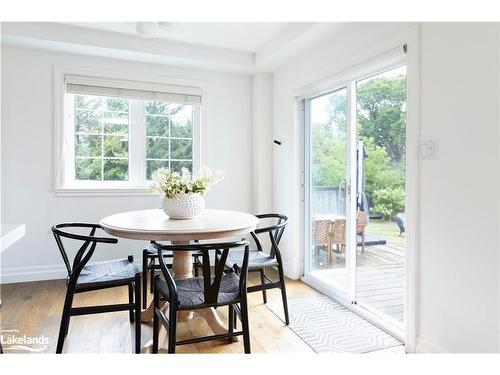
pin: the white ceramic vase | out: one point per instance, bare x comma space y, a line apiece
184, 206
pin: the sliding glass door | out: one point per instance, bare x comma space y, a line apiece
354, 179
327, 118
381, 136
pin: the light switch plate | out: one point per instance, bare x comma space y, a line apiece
428, 149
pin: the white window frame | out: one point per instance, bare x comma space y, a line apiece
65, 185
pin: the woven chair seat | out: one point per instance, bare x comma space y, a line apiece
257, 260
190, 291
108, 272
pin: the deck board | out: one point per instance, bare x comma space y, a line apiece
380, 277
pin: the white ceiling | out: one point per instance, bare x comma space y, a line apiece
231, 47
245, 37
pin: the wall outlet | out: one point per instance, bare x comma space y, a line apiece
428, 149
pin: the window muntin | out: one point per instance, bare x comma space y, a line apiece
101, 138
169, 136
116, 141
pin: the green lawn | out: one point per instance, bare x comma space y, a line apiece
388, 230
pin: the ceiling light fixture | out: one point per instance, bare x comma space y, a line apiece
150, 29
146, 29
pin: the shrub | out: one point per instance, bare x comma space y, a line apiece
389, 201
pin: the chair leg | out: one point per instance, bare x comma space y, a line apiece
235, 319
196, 264
156, 321
131, 300
144, 278
137, 313
151, 275
263, 281
172, 327
67, 325
230, 323
63, 329
245, 325
283, 293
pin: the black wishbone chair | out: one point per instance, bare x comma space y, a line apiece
85, 277
259, 260
150, 264
212, 290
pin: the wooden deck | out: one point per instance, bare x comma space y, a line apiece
380, 277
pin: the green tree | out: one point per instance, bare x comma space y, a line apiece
329, 155
382, 114
389, 201
380, 172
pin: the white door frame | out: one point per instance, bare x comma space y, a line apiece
366, 63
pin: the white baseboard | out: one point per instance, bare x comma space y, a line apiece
10, 275
423, 346
32, 273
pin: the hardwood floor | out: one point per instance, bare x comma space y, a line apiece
34, 309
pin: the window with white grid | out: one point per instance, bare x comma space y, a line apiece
118, 136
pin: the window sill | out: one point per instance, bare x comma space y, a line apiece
102, 192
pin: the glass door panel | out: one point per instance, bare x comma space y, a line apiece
327, 118
380, 193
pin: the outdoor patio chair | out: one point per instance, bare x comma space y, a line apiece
400, 220
321, 236
338, 233
360, 228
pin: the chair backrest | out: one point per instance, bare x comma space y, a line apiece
275, 232
211, 280
321, 230
360, 222
85, 251
400, 222
338, 232
402, 217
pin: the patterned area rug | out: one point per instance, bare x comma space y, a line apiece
327, 326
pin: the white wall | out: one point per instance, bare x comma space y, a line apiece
262, 142
28, 156
459, 218
458, 290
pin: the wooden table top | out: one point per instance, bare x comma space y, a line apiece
157, 226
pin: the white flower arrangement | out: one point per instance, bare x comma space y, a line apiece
169, 183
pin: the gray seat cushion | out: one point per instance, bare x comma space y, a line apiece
256, 260
107, 272
190, 291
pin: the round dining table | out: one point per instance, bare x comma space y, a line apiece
155, 225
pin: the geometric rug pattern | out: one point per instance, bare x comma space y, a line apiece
326, 326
